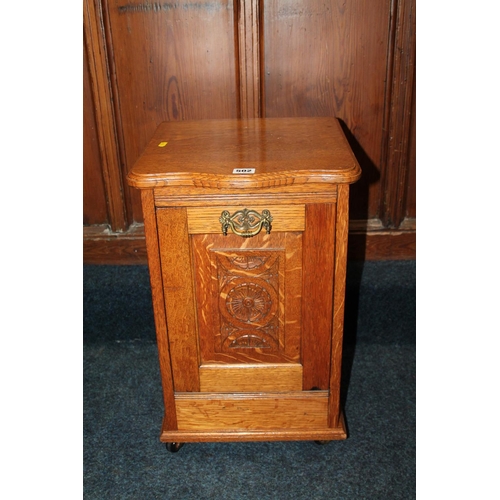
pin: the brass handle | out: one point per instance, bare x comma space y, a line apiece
246, 223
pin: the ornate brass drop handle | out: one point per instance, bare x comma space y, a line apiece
246, 223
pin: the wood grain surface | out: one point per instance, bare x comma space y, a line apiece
300, 410
323, 434
250, 378
319, 240
205, 220
156, 280
214, 279
206, 154
178, 290
340, 253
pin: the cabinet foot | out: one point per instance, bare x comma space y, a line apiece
322, 442
174, 447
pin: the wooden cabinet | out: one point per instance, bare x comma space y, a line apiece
246, 226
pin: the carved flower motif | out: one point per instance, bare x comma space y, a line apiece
248, 302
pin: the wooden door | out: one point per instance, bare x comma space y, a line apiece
248, 314
249, 328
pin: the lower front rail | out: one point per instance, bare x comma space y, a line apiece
239, 435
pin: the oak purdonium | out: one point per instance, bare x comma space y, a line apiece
246, 227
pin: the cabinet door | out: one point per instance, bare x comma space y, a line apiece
248, 314
248, 295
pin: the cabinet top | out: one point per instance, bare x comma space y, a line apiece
255, 153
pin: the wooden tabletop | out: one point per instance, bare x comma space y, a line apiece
263, 152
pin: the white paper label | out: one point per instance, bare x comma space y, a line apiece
244, 171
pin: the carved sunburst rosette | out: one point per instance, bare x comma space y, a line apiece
246, 223
248, 302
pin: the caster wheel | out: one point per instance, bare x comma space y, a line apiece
321, 443
174, 447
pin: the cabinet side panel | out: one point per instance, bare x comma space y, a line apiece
155, 277
318, 294
341, 233
179, 297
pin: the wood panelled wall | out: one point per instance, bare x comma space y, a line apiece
146, 62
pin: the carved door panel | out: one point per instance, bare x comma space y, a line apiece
248, 307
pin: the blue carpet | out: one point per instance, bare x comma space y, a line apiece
123, 458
